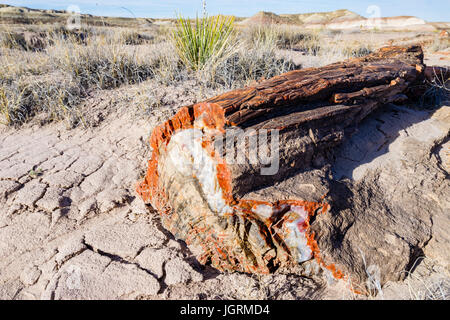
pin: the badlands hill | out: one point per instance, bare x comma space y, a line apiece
22, 15
344, 19
324, 17
338, 20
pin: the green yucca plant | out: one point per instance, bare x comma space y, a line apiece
204, 41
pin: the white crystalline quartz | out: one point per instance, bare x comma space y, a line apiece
187, 155
263, 210
296, 237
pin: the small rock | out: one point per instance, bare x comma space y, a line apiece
30, 193
174, 244
69, 249
63, 179
179, 271
7, 187
153, 260
51, 199
30, 276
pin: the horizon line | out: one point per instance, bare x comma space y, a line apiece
237, 16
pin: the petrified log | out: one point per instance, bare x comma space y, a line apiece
205, 159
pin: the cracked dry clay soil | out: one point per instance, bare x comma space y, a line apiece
72, 226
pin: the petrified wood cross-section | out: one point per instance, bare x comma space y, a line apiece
198, 191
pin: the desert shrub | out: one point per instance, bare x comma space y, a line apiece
79, 36
168, 68
29, 84
37, 39
284, 37
203, 42
357, 50
248, 64
255, 35
10, 106
132, 37
161, 33
28, 41
439, 44
10, 40
16, 63
338, 50
100, 64
437, 90
289, 39
56, 97
311, 44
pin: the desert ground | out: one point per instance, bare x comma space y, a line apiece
77, 108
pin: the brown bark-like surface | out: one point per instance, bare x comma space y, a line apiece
314, 108
301, 87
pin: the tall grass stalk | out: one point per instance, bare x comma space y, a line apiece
204, 41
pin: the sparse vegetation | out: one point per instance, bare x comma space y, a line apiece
204, 41
53, 81
439, 44
284, 37
438, 90
50, 69
249, 63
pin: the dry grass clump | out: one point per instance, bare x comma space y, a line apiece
129, 36
325, 44
55, 80
342, 50
53, 95
132, 37
39, 38
439, 44
284, 37
249, 63
28, 41
101, 64
79, 36
335, 50
437, 91
168, 69
10, 40
17, 63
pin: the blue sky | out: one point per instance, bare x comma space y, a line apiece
431, 10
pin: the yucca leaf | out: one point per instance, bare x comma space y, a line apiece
205, 39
